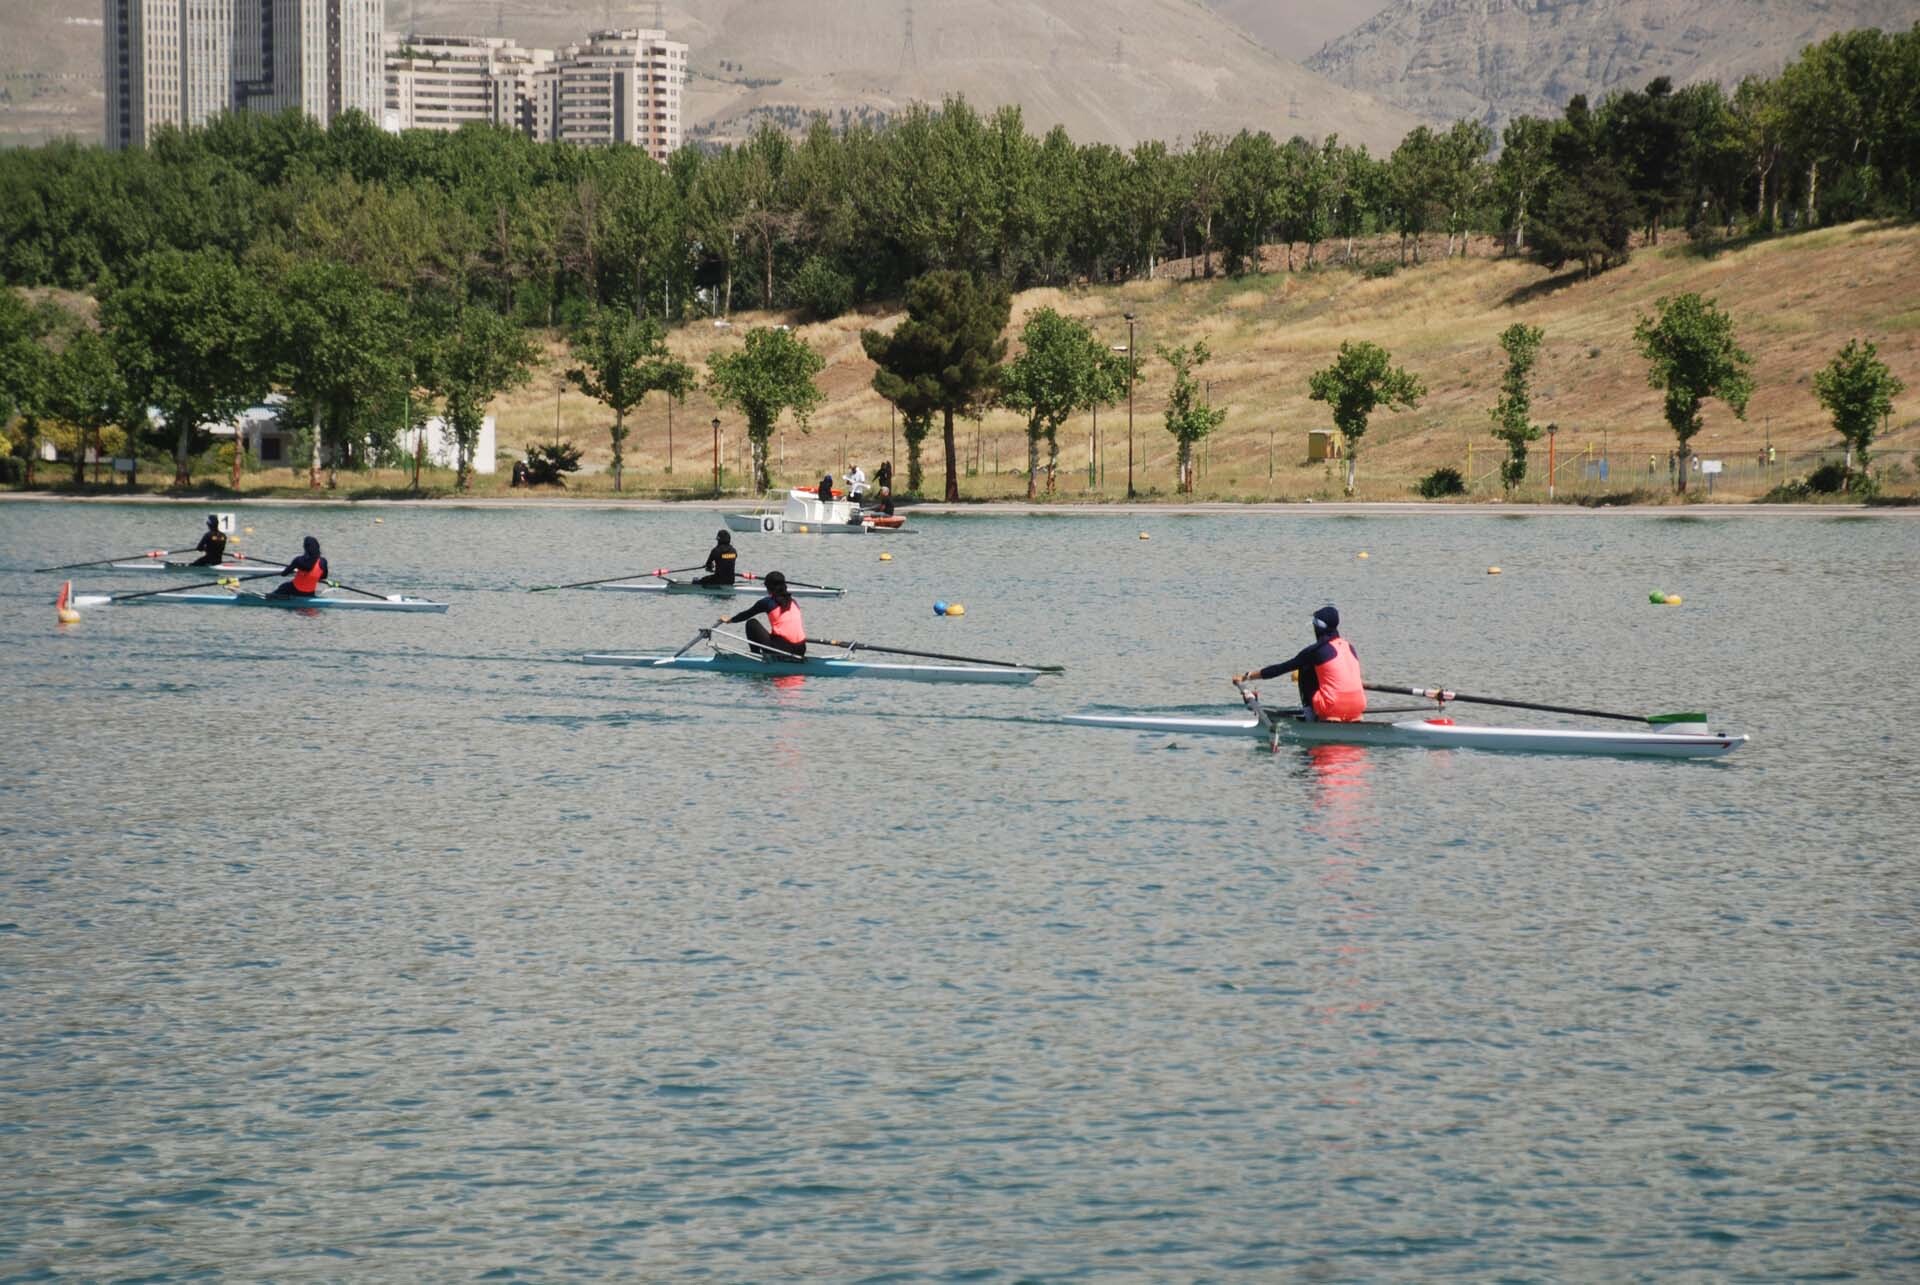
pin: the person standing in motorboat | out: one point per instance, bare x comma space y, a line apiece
1328, 672
720, 563
782, 631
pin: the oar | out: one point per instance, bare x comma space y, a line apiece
631, 575
804, 584
335, 584
1442, 695
689, 647
102, 599
125, 557
940, 655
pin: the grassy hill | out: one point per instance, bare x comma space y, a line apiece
1795, 301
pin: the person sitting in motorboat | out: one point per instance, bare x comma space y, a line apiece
884, 506
783, 631
826, 488
212, 546
720, 563
307, 570
1328, 672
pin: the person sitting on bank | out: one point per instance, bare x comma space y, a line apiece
783, 631
212, 546
1328, 672
307, 570
826, 488
720, 563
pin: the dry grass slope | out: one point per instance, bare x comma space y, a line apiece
1795, 302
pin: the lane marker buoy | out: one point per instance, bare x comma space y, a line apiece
956, 609
1493, 571
886, 557
62, 612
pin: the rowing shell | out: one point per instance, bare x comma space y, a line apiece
1430, 733
737, 588
154, 564
825, 667
395, 602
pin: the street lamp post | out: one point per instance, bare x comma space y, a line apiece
1552, 431
1130, 364
716, 457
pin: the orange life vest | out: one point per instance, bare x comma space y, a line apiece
308, 581
1340, 698
785, 624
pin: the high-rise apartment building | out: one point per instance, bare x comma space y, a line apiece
178, 62
444, 82
166, 63
619, 87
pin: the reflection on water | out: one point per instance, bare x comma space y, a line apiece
339, 945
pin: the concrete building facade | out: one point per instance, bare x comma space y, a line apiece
444, 82
618, 87
180, 62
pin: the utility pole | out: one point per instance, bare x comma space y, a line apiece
716, 457
1130, 365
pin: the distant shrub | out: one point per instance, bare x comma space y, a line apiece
1442, 481
547, 465
1828, 479
1385, 268
821, 290
13, 470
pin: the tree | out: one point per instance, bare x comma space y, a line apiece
1691, 355
1523, 173
1055, 375
1857, 389
946, 355
1590, 210
1460, 177
335, 343
187, 330
84, 391
1360, 381
480, 355
1513, 413
772, 374
1189, 417
622, 359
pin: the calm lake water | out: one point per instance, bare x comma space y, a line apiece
349, 946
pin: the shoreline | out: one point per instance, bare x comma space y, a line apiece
1020, 508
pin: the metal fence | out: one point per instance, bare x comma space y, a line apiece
1591, 468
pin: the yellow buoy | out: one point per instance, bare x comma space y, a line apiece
1145, 536
65, 614
1673, 600
955, 609
378, 521
1493, 571
1363, 554
886, 557
803, 528
249, 531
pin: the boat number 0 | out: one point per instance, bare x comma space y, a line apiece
766, 524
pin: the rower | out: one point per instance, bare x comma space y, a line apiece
212, 546
1328, 673
783, 631
307, 570
721, 561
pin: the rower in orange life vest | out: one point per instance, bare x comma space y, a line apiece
1328, 673
307, 570
783, 631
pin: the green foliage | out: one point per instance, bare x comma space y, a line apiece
477, 355
336, 342
1058, 372
1691, 355
945, 356
1589, 213
771, 375
187, 332
548, 465
1441, 482
622, 359
1857, 389
1189, 417
1512, 414
1360, 381
821, 290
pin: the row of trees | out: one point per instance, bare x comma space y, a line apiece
850, 212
